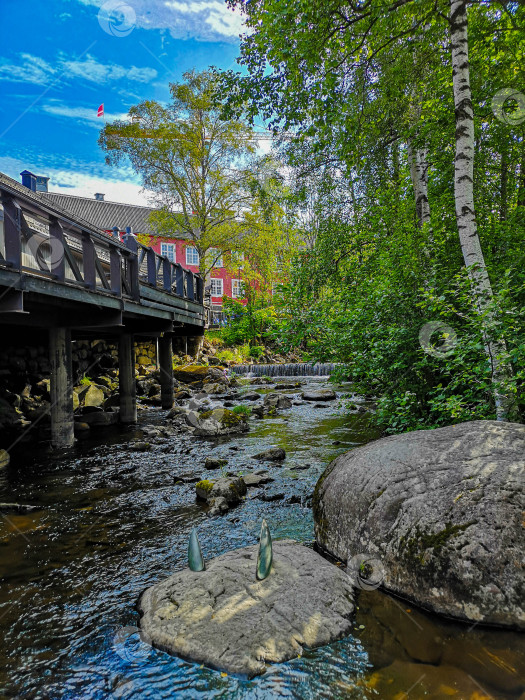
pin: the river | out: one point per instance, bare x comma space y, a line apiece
113, 522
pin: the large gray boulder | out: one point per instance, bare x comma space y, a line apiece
225, 618
437, 514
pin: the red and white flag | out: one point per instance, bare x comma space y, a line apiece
100, 111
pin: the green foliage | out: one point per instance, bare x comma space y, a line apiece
255, 351
215, 338
202, 185
367, 93
86, 381
247, 324
242, 409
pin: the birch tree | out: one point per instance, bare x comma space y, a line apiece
464, 200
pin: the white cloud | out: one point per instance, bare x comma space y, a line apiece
82, 185
68, 176
90, 69
85, 114
206, 20
32, 69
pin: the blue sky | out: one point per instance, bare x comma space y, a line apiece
60, 59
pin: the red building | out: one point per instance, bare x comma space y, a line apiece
108, 215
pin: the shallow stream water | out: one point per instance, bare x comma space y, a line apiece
113, 522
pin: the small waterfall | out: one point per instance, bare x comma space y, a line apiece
298, 369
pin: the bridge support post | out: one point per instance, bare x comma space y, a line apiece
126, 375
166, 371
61, 388
194, 345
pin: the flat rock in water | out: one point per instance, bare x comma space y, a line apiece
437, 513
215, 463
273, 454
319, 395
251, 396
252, 480
225, 618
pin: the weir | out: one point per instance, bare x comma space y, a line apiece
295, 369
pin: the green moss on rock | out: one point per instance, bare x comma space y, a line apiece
416, 546
203, 488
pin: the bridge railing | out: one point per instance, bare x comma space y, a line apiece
36, 241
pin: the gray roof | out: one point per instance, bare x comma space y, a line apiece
105, 215
50, 205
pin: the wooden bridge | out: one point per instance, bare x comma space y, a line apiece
61, 275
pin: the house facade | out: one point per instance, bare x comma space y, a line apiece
107, 216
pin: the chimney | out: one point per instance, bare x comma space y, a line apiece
28, 180
99, 196
41, 183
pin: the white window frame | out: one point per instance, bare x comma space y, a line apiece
168, 251
220, 282
213, 253
191, 250
237, 289
237, 259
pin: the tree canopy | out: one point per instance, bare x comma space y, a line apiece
400, 147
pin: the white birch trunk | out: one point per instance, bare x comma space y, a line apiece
418, 162
464, 198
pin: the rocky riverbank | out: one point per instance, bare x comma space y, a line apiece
113, 517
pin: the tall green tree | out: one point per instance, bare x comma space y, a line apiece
196, 163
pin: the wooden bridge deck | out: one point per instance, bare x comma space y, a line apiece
56, 270
61, 276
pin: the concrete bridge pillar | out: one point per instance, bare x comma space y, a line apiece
165, 357
126, 375
194, 345
61, 388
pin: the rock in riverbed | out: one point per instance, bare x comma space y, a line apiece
221, 493
273, 454
219, 421
438, 513
214, 463
319, 395
277, 401
225, 618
